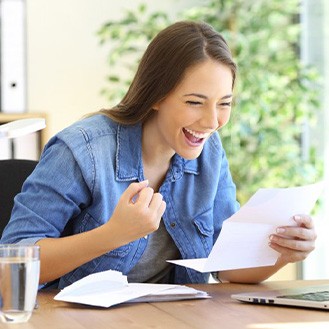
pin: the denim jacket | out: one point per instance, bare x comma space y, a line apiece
81, 175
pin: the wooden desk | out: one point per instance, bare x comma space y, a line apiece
220, 312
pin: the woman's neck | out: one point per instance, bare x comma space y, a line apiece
156, 156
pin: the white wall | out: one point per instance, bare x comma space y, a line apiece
66, 66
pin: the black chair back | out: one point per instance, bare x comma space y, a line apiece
13, 173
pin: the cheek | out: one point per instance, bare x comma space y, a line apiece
223, 118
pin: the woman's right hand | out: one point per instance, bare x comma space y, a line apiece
138, 212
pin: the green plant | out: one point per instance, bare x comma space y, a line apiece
128, 39
275, 94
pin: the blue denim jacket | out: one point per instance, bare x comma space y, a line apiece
81, 175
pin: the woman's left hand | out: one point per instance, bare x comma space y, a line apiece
294, 243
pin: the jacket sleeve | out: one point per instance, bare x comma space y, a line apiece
55, 193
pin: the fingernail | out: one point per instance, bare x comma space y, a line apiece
280, 230
297, 217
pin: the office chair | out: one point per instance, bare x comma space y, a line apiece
13, 173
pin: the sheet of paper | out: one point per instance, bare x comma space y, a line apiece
176, 292
243, 241
110, 288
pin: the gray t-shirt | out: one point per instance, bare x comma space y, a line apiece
152, 267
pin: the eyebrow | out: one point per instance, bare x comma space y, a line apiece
205, 97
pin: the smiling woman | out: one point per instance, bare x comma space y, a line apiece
129, 187
275, 93
192, 111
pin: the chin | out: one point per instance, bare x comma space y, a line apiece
190, 155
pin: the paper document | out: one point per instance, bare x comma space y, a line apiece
243, 241
110, 288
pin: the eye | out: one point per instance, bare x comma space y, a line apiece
193, 103
228, 104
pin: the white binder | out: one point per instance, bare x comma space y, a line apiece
13, 56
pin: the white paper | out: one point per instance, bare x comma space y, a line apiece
110, 288
243, 241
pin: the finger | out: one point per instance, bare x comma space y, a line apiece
293, 244
157, 203
304, 220
289, 255
133, 189
145, 196
294, 232
162, 208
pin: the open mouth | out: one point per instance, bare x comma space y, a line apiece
194, 138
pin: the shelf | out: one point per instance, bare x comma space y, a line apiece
21, 144
8, 117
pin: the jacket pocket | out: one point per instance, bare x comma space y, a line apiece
205, 226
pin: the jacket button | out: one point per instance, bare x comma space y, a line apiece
173, 224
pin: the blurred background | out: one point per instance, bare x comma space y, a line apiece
63, 59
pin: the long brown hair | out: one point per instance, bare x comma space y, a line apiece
176, 48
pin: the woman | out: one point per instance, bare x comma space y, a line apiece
128, 188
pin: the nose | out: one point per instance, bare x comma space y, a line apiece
210, 118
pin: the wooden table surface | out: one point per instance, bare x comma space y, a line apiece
220, 312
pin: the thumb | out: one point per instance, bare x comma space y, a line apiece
134, 188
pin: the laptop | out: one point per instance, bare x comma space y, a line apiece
309, 297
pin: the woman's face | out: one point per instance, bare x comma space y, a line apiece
197, 107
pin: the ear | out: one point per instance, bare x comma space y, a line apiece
155, 107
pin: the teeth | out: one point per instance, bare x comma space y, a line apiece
197, 135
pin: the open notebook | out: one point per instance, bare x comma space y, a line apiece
310, 297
